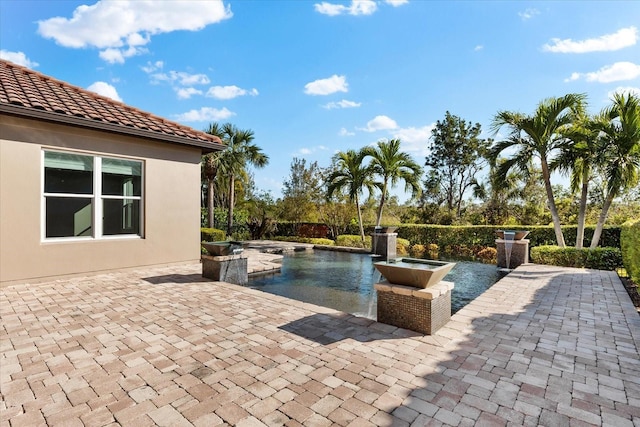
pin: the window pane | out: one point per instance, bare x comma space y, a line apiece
57, 160
121, 216
68, 173
121, 177
68, 217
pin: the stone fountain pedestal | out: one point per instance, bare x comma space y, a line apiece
518, 253
226, 268
384, 242
420, 310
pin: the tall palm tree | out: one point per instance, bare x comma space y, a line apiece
240, 151
618, 147
392, 165
211, 165
578, 158
351, 176
538, 136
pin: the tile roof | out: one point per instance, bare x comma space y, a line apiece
29, 90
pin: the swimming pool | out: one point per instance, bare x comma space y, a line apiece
344, 281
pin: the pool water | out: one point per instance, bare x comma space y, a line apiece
344, 281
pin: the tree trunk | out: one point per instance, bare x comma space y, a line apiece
583, 209
552, 203
360, 220
210, 190
382, 200
232, 182
601, 220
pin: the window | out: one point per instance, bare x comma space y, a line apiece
91, 197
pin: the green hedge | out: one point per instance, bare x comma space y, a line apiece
598, 258
212, 235
353, 241
630, 244
448, 236
445, 235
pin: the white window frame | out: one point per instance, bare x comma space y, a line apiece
96, 199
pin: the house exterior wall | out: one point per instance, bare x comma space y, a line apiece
171, 203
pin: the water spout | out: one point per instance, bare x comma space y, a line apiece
370, 314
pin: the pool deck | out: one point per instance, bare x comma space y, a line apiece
162, 346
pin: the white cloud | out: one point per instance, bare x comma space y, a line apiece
120, 29
574, 76
357, 7
624, 37
151, 67
113, 56
205, 114
478, 48
18, 58
105, 89
229, 92
415, 140
187, 79
345, 132
181, 78
187, 92
611, 73
528, 13
308, 151
624, 89
327, 86
342, 104
380, 123
396, 3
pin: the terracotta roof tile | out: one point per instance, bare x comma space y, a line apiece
24, 87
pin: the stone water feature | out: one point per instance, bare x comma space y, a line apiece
384, 242
414, 296
513, 248
225, 262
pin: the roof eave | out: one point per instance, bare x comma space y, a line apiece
204, 146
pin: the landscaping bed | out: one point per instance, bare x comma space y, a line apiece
632, 290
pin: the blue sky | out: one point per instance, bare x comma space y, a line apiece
311, 78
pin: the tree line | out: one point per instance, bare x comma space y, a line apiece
599, 154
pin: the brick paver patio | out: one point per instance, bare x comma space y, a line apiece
544, 346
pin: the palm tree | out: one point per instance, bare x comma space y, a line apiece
497, 193
351, 176
240, 151
210, 167
538, 136
392, 165
618, 147
578, 158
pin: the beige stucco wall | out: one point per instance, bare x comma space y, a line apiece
171, 203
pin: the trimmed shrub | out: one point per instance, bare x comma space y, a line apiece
302, 229
430, 251
433, 251
212, 235
402, 247
313, 230
353, 241
488, 255
630, 245
598, 258
417, 251
311, 240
